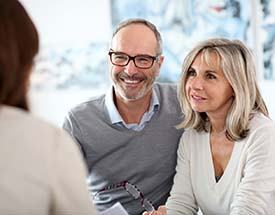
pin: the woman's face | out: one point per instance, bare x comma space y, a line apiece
206, 87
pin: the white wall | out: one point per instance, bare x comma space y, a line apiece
267, 89
53, 106
70, 21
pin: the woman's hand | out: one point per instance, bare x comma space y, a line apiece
161, 211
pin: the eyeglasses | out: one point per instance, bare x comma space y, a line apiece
133, 191
140, 61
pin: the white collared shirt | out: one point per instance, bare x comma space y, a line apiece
116, 118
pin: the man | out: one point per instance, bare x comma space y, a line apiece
128, 136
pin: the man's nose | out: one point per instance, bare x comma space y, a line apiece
130, 68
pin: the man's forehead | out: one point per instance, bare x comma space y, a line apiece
136, 37
135, 26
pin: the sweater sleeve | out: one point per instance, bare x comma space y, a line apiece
256, 191
182, 200
68, 187
70, 125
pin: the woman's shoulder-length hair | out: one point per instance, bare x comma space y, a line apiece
237, 63
19, 44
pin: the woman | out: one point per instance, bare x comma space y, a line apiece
41, 168
226, 157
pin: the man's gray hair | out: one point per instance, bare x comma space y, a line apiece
142, 22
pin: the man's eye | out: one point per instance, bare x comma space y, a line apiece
143, 59
120, 57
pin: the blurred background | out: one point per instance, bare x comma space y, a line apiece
72, 65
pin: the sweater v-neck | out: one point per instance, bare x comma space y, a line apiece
228, 172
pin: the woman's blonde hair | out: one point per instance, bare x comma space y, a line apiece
236, 62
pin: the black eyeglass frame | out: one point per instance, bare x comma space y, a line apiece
133, 58
146, 204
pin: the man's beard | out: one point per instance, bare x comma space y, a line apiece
147, 83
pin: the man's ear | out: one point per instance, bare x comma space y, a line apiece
160, 60
159, 64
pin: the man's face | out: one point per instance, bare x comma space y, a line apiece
131, 82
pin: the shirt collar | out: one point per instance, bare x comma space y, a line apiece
113, 112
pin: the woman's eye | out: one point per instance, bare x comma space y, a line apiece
191, 72
210, 76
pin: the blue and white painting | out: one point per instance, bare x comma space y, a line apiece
182, 23
268, 32
71, 67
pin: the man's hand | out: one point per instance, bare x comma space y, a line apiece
161, 211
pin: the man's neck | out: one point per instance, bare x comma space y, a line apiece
132, 111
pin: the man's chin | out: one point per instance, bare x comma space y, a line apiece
132, 97
125, 94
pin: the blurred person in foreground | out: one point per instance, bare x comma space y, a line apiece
226, 157
128, 135
42, 171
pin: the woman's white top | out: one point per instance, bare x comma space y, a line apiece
247, 185
41, 169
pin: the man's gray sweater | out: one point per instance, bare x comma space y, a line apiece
114, 154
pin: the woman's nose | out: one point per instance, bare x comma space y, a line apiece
197, 83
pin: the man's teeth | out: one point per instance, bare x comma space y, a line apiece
131, 81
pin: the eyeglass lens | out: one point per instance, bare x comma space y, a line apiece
147, 205
132, 190
141, 61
